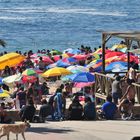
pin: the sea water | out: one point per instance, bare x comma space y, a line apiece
61, 24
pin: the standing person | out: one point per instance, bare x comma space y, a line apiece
58, 105
132, 72
21, 96
130, 92
109, 109
116, 89
44, 89
41, 64
89, 109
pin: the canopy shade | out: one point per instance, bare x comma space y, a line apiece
11, 60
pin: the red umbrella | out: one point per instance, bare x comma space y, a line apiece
30, 79
111, 54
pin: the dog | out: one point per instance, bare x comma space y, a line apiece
14, 128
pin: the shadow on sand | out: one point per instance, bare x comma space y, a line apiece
45, 130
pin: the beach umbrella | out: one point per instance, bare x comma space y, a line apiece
57, 71
115, 53
118, 46
136, 51
10, 80
4, 93
82, 84
56, 58
55, 52
83, 77
65, 55
69, 60
80, 56
77, 68
30, 79
117, 66
72, 51
60, 63
29, 72
11, 60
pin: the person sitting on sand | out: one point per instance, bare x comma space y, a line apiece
75, 110
109, 109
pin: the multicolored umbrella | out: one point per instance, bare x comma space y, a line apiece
57, 71
29, 72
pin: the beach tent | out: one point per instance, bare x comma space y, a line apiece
11, 60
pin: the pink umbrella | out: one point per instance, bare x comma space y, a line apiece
47, 59
56, 57
80, 56
81, 84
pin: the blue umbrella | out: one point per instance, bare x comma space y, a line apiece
117, 66
83, 77
60, 63
72, 51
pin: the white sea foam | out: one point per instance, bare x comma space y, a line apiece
64, 11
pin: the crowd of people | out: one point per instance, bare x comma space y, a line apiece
26, 96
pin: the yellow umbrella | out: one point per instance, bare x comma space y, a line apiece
57, 71
4, 93
10, 59
118, 46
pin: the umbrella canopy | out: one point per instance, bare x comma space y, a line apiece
11, 60
4, 93
136, 51
76, 69
83, 77
29, 72
80, 56
60, 63
55, 52
72, 51
30, 79
57, 71
118, 46
117, 66
10, 80
69, 60
81, 85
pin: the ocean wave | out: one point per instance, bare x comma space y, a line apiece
90, 11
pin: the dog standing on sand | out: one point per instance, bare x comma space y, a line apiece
14, 128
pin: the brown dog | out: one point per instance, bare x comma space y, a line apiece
14, 128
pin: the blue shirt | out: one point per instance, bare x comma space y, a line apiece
109, 110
